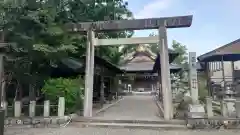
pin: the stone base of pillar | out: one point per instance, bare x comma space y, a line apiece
209, 107
224, 109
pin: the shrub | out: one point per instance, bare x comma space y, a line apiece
71, 89
202, 88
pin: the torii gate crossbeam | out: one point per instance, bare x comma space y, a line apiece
125, 41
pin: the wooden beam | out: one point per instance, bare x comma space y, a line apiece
126, 41
136, 24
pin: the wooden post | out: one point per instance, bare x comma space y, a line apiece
102, 95
223, 75
208, 79
116, 86
232, 66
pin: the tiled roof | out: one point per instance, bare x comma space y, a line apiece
128, 57
80, 64
233, 47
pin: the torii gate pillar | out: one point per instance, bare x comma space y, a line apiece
165, 74
89, 74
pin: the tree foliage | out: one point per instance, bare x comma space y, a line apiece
68, 88
182, 50
36, 29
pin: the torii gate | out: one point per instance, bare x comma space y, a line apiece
139, 24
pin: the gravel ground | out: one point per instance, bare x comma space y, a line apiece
107, 131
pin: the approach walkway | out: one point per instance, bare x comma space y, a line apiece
136, 107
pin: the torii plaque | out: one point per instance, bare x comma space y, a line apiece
138, 24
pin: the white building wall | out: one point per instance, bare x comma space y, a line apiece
216, 70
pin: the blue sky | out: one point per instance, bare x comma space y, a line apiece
215, 22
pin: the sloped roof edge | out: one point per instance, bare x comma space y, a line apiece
217, 49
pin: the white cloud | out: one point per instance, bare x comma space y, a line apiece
153, 8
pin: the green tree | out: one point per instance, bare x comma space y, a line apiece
182, 51
40, 40
98, 11
68, 88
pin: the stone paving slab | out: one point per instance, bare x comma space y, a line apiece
136, 107
138, 126
111, 131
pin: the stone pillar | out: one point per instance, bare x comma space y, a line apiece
165, 74
193, 77
224, 109
61, 106
32, 108
223, 75
17, 108
116, 86
237, 104
111, 89
209, 107
46, 111
89, 73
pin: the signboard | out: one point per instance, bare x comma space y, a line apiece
137, 24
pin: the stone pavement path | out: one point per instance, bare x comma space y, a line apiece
107, 131
137, 107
